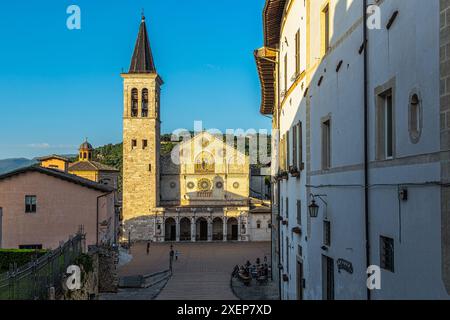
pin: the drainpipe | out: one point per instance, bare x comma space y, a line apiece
366, 147
280, 276
97, 218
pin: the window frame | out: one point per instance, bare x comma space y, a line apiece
134, 103
381, 93
145, 103
388, 126
387, 255
325, 26
297, 53
299, 212
286, 80
327, 233
30, 207
287, 208
326, 143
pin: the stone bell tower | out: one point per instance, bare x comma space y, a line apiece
141, 140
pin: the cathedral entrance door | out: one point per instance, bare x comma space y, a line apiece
170, 230
234, 232
202, 229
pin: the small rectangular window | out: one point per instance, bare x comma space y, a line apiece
294, 147
299, 212
387, 253
30, 204
285, 74
326, 145
389, 150
287, 208
297, 53
327, 233
326, 29
287, 255
385, 126
144, 144
133, 143
283, 152
300, 146
288, 151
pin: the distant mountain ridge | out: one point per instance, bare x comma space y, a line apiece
8, 165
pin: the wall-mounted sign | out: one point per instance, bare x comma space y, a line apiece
344, 265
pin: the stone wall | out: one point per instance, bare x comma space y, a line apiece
103, 278
140, 162
108, 278
445, 135
89, 284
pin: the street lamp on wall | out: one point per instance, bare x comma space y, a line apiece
314, 207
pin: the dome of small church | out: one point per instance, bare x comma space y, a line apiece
86, 146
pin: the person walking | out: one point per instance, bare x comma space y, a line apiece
172, 253
176, 255
148, 247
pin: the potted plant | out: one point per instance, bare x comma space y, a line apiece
293, 170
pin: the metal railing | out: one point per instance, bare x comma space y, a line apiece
33, 281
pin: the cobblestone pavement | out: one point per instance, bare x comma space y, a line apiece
203, 270
255, 291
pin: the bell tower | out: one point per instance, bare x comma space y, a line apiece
141, 139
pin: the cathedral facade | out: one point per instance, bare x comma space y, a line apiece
199, 192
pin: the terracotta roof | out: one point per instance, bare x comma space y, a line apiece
90, 166
142, 61
53, 156
59, 175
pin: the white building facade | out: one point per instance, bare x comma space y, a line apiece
363, 135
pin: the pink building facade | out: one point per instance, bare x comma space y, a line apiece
40, 208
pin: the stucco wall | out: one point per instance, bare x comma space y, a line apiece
407, 56
262, 233
61, 208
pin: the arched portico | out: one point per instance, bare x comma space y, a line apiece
201, 229
232, 229
217, 229
185, 229
170, 228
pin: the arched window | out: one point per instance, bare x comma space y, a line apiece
145, 103
134, 102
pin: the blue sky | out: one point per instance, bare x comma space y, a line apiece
59, 86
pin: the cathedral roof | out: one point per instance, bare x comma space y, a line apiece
142, 61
